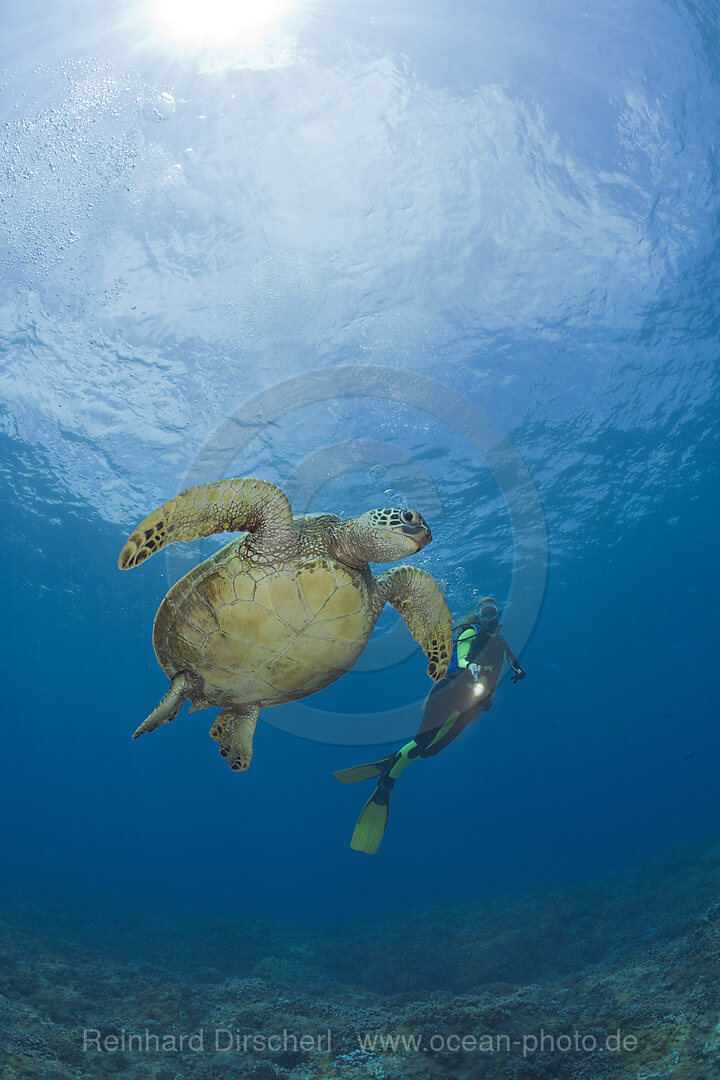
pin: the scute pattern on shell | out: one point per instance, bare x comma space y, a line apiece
253, 633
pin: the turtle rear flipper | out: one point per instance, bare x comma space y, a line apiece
240, 505
170, 705
234, 729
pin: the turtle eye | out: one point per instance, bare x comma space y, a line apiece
408, 516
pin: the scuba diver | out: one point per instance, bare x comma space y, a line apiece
479, 652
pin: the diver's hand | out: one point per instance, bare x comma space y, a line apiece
474, 670
517, 674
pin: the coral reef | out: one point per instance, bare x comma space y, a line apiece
612, 980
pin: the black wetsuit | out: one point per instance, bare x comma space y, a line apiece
455, 695
451, 705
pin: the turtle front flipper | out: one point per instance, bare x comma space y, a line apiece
241, 505
420, 601
234, 729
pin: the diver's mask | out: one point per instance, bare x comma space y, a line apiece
488, 613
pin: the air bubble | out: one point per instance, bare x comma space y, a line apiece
164, 106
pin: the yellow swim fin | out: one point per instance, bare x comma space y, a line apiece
371, 824
364, 772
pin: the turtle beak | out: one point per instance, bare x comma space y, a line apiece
419, 534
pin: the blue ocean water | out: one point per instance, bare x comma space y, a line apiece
333, 225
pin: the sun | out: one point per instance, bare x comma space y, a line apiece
208, 23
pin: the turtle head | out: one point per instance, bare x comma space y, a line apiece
381, 536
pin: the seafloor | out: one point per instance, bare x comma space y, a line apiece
633, 959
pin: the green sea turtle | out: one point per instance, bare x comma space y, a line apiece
283, 611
